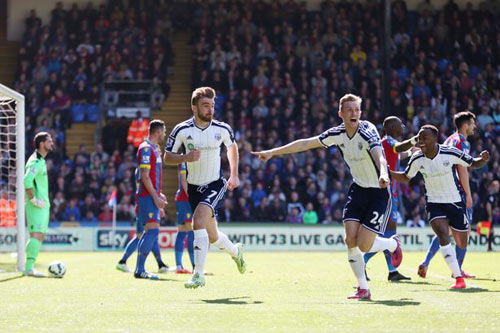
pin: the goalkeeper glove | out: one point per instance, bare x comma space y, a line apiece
37, 202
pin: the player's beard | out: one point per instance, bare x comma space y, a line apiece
205, 118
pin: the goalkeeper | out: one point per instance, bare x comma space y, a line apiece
36, 184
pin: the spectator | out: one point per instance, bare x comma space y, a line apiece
294, 216
138, 130
72, 212
310, 216
415, 222
106, 214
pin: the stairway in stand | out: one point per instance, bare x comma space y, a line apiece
176, 108
80, 133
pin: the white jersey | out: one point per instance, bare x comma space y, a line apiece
440, 177
208, 141
356, 151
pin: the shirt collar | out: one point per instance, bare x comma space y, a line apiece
202, 128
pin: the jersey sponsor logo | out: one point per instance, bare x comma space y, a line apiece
189, 137
422, 167
146, 159
217, 136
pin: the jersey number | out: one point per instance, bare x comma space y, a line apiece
377, 220
212, 194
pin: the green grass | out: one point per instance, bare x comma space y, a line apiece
281, 291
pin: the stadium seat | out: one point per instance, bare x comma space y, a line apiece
92, 113
78, 112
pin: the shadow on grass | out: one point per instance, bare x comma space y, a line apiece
485, 279
395, 302
425, 283
10, 278
231, 301
473, 290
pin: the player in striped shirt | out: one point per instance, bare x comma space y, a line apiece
200, 140
445, 207
393, 127
465, 123
149, 199
368, 205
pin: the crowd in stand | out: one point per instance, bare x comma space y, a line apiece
279, 71
63, 63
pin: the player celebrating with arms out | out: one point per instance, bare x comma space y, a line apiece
36, 183
368, 205
445, 207
465, 123
201, 137
149, 199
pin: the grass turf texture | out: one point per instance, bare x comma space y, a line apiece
283, 291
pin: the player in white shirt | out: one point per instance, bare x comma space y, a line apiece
368, 205
198, 143
445, 207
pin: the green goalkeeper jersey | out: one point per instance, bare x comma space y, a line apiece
35, 177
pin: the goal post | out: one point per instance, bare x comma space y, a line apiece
12, 144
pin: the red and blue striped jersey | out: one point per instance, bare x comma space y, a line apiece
457, 140
181, 194
148, 157
393, 160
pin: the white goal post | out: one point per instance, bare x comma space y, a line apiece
12, 143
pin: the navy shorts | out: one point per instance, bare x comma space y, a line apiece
371, 207
184, 214
210, 195
146, 211
454, 212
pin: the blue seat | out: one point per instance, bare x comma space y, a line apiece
78, 112
92, 113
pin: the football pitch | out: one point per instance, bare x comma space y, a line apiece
281, 291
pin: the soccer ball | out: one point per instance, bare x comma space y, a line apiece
57, 269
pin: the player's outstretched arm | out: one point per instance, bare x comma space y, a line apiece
296, 146
403, 146
479, 162
400, 176
233, 158
176, 159
380, 161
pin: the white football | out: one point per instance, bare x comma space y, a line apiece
57, 269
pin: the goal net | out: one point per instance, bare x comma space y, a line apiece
12, 156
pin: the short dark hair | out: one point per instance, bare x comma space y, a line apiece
155, 125
389, 120
39, 138
462, 117
431, 128
200, 93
